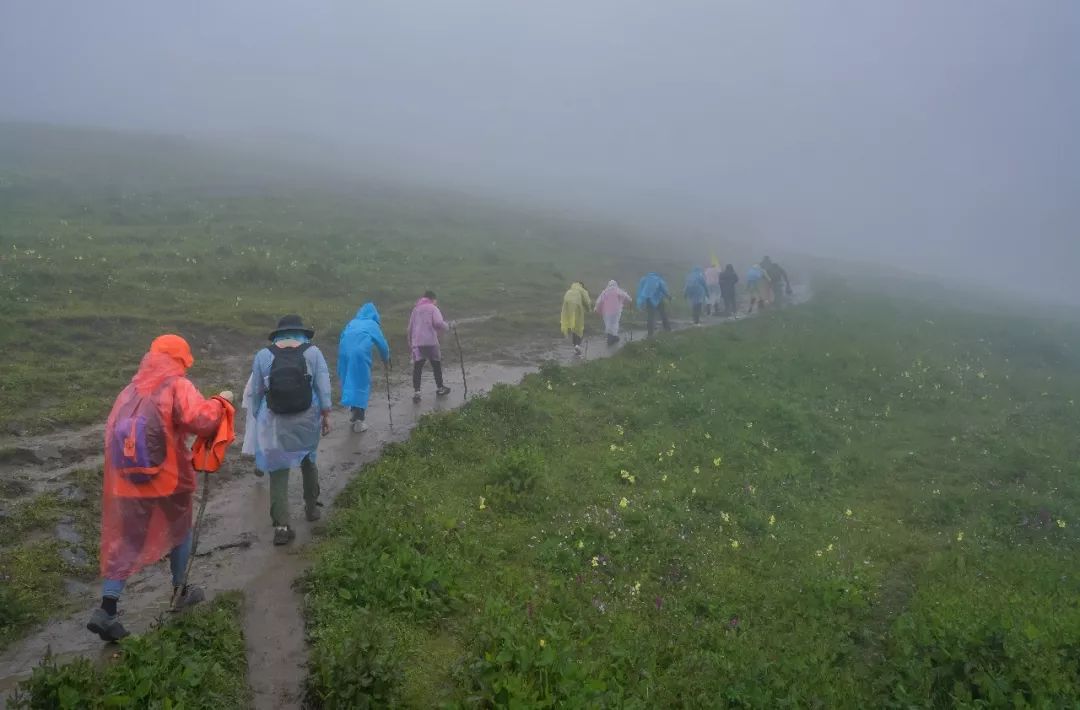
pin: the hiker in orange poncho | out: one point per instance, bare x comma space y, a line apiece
149, 481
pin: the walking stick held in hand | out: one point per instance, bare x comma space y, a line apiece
461, 359
389, 413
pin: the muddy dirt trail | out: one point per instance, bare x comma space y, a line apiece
235, 548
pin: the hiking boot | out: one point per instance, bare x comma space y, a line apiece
108, 628
283, 536
359, 427
312, 512
187, 596
442, 391
416, 396
577, 350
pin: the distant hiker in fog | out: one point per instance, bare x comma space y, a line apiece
778, 280
354, 361
576, 303
425, 324
696, 291
757, 285
610, 304
712, 280
290, 390
728, 279
149, 480
652, 291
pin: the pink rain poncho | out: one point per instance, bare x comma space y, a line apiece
425, 324
149, 478
609, 304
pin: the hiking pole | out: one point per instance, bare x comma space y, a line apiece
389, 413
461, 359
195, 534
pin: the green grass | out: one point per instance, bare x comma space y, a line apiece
34, 562
196, 661
857, 503
86, 281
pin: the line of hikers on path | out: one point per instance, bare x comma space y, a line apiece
150, 470
705, 289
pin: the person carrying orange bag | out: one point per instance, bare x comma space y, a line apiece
149, 481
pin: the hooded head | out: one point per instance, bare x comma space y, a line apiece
729, 269
612, 284
368, 311
175, 347
169, 356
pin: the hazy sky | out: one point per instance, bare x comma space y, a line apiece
928, 133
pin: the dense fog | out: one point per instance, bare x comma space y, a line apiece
938, 136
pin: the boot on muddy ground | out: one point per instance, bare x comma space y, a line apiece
442, 391
284, 535
312, 512
106, 626
416, 396
187, 596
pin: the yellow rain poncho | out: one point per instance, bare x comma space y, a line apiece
575, 304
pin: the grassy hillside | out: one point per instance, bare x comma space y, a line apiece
108, 240
858, 503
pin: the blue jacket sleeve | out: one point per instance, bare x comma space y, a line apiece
322, 380
380, 343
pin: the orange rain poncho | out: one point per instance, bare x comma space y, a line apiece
146, 509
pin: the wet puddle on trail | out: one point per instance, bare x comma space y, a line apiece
235, 547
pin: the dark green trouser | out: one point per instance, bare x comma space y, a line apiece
279, 491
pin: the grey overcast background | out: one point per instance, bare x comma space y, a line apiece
935, 135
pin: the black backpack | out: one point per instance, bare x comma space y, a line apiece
290, 383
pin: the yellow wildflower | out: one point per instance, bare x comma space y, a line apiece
632, 480
697, 469
693, 491
595, 561
734, 544
819, 553
549, 386
623, 503
708, 435
543, 643
772, 520
580, 545
848, 512
618, 428
960, 536
829, 548
1061, 523
664, 477
483, 503
749, 425
717, 461
624, 474
725, 517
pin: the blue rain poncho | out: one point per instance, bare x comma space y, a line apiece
696, 289
284, 440
354, 355
651, 290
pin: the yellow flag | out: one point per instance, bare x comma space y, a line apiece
716, 261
